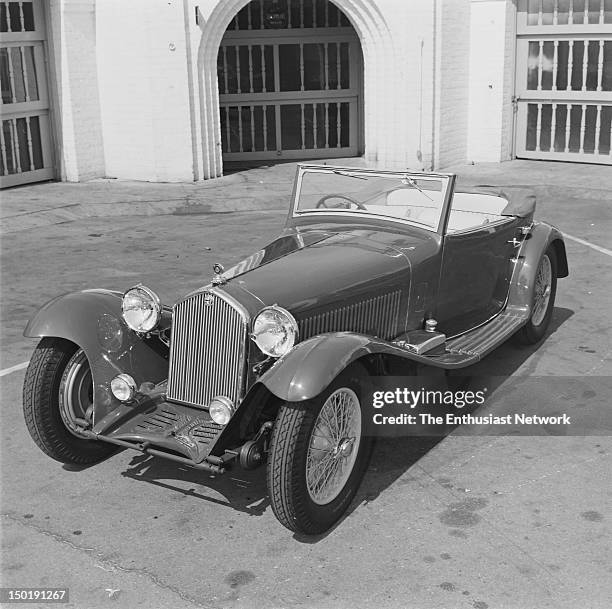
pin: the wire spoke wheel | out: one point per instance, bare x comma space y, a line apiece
544, 291
319, 452
543, 288
334, 445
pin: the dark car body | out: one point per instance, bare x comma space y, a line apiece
356, 282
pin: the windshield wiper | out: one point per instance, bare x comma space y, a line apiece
348, 175
412, 183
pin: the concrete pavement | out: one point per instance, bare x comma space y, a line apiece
39, 205
461, 523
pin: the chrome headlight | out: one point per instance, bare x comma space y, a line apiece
274, 331
141, 309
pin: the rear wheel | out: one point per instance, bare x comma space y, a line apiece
57, 394
318, 454
545, 290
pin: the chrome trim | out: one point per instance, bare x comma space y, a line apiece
208, 350
487, 335
480, 227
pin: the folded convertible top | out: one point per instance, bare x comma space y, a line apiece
521, 200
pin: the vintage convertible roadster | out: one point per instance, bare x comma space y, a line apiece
375, 273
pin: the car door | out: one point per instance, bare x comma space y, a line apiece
475, 274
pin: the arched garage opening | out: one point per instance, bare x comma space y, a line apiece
290, 79
361, 26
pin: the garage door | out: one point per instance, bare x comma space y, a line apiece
25, 135
289, 77
564, 80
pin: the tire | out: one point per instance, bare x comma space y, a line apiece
546, 279
56, 389
293, 460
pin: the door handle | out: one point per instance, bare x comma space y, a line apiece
515, 242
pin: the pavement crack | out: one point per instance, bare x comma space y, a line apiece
107, 564
40, 211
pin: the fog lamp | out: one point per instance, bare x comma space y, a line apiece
123, 387
221, 410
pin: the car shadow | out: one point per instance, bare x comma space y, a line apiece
246, 491
393, 457
243, 491
511, 355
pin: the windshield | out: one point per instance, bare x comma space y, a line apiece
408, 197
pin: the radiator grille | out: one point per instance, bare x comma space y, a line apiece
377, 316
207, 350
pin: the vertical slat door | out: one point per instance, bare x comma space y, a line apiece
25, 136
289, 83
564, 80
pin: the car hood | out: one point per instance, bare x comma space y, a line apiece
306, 271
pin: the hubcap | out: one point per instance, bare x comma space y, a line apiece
76, 393
543, 287
334, 445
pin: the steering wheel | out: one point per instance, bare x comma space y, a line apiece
322, 202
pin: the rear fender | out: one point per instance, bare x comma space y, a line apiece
92, 320
521, 293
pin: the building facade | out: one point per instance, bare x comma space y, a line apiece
171, 90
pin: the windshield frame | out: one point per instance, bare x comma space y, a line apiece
448, 180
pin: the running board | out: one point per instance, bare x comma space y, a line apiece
471, 347
480, 341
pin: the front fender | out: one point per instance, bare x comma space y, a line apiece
312, 365
521, 293
92, 320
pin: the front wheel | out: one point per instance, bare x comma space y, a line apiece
318, 455
57, 394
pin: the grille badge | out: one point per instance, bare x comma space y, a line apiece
209, 299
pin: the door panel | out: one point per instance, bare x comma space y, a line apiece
476, 271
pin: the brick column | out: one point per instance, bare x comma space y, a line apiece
491, 80
77, 104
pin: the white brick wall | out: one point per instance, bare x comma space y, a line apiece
490, 80
76, 101
141, 102
453, 44
142, 68
406, 126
